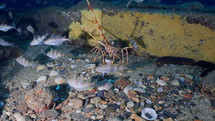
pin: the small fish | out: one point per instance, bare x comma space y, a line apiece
4, 43
5, 27
55, 40
109, 68
54, 54
22, 61
80, 83
30, 29
37, 40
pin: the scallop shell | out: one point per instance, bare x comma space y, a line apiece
80, 83
149, 114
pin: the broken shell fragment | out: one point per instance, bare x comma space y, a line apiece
149, 114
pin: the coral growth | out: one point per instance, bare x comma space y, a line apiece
160, 34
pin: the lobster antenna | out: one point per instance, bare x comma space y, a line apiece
99, 27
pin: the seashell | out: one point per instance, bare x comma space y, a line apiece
54, 54
53, 73
40, 67
90, 66
22, 61
149, 114
161, 82
60, 80
127, 88
80, 83
41, 78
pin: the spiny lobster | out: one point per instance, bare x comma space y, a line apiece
106, 48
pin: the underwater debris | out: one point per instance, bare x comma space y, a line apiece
5, 27
54, 54
22, 61
38, 40
5, 43
80, 83
55, 40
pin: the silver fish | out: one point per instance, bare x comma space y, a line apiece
54, 54
55, 40
5, 27
80, 83
37, 40
22, 61
30, 29
4, 43
109, 68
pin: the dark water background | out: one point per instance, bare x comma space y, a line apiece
44, 3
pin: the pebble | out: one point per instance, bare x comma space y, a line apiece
165, 78
90, 66
50, 114
39, 99
135, 117
130, 104
76, 103
160, 89
53, 73
161, 82
60, 80
127, 88
41, 79
99, 117
89, 108
19, 117
175, 83
95, 100
40, 67
122, 82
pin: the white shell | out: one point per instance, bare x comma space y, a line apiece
80, 83
106, 86
41, 78
146, 112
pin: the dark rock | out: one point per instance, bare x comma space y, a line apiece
101, 94
52, 24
